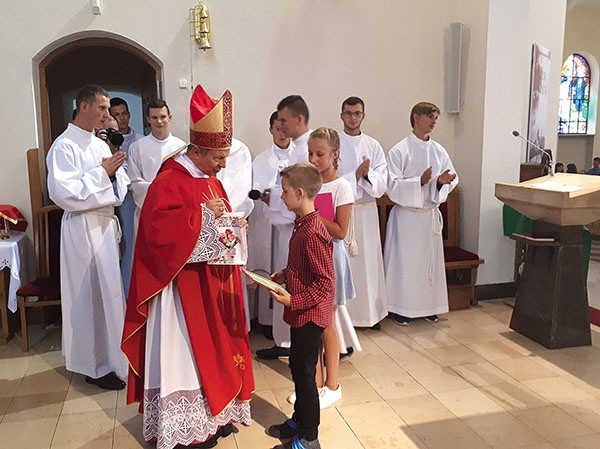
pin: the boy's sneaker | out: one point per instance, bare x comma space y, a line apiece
328, 397
400, 320
292, 397
290, 428
300, 443
432, 318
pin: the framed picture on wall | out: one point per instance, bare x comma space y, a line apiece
538, 103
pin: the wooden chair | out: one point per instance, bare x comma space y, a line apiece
46, 235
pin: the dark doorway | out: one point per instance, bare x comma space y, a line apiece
115, 65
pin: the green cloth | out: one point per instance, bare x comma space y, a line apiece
515, 222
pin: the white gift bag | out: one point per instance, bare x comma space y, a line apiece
233, 237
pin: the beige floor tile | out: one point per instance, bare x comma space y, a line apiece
418, 360
557, 390
131, 442
433, 338
36, 435
98, 443
84, 397
404, 438
449, 434
34, 406
335, 432
357, 391
583, 442
468, 402
57, 379
281, 395
46, 361
396, 386
420, 409
347, 370
129, 422
552, 424
502, 430
4, 403
588, 412
523, 368
254, 436
522, 344
514, 396
376, 364
394, 344
264, 403
76, 429
545, 445
371, 418
260, 381
469, 334
277, 373
455, 355
440, 379
483, 373
13, 369
493, 350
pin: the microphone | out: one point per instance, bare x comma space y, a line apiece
537, 147
256, 194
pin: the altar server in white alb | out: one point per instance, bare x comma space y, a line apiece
88, 182
362, 162
266, 253
147, 154
292, 118
421, 176
236, 177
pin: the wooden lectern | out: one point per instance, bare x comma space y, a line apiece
551, 306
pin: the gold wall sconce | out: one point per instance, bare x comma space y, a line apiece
200, 22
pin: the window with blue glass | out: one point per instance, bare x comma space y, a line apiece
574, 96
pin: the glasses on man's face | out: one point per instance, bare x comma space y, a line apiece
349, 114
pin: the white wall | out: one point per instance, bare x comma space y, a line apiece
391, 53
513, 26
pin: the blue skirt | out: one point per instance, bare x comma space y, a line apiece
344, 287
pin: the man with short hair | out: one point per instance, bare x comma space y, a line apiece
292, 116
421, 176
595, 170
147, 154
362, 162
119, 109
87, 181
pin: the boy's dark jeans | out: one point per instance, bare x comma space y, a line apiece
304, 353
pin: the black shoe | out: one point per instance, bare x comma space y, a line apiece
272, 353
223, 432
376, 327
289, 429
348, 353
108, 382
432, 318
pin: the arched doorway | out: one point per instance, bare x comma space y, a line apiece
110, 61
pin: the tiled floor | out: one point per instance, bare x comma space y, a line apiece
466, 382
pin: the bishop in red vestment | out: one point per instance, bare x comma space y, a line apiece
185, 331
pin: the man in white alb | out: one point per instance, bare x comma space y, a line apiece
292, 116
147, 154
421, 176
119, 109
269, 211
362, 162
88, 182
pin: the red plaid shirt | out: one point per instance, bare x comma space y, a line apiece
309, 274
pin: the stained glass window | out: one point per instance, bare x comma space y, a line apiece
574, 96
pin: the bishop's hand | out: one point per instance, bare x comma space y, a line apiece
446, 177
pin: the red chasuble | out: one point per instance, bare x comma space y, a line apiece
211, 295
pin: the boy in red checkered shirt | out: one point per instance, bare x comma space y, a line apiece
308, 301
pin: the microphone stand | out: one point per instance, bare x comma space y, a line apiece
537, 147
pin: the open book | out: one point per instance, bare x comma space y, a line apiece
265, 282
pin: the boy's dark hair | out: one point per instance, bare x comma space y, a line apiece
423, 108
157, 103
296, 105
352, 101
272, 119
596, 159
118, 101
88, 93
305, 176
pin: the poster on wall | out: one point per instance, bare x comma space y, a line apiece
538, 103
